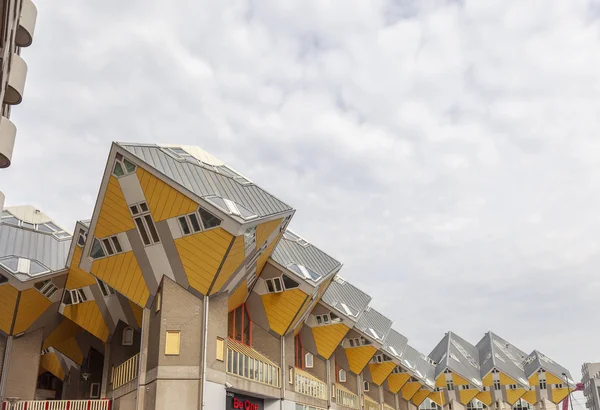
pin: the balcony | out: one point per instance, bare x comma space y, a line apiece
125, 372
8, 132
370, 404
16, 80
57, 405
245, 362
344, 397
307, 384
24, 35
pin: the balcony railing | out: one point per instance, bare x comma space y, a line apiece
388, 407
245, 362
58, 405
307, 384
125, 372
370, 404
344, 397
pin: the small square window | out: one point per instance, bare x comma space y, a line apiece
172, 342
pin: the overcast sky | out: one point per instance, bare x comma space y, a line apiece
447, 152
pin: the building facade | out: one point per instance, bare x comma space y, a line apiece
591, 385
186, 289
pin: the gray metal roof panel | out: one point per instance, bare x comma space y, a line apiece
371, 320
426, 371
290, 251
44, 248
395, 343
204, 182
341, 292
496, 352
458, 355
538, 359
410, 359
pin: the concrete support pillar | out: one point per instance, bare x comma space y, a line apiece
381, 397
329, 383
105, 371
143, 360
4, 366
396, 402
359, 389
22, 366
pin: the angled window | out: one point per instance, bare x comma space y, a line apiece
251, 278
239, 325
463, 387
450, 385
94, 390
46, 288
97, 250
304, 272
122, 166
299, 353
36, 268
289, 283
274, 285
3, 279
81, 238
497, 385
208, 219
127, 336
398, 370
105, 289
76, 296
232, 208
512, 386
106, 247
191, 223
144, 223
9, 219
342, 376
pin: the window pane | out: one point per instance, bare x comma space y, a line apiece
277, 283
10, 263
128, 166
44, 228
142, 230
230, 324
134, 209
118, 170
195, 223
144, 207
184, 225
36, 268
108, 246
208, 219
289, 282
238, 324
152, 228
269, 283
115, 241
97, 251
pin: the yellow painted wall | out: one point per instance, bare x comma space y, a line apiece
32, 305
530, 397
62, 338
328, 338
50, 363
534, 379
488, 380
358, 357
201, 255
281, 308
114, 216
513, 395
506, 380
8, 304
262, 259
123, 273
78, 278
137, 312
441, 381
438, 397
485, 397
458, 380
559, 395
419, 397
380, 371
234, 258
238, 296
163, 200
396, 381
88, 316
553, 379
465, 396
265, 229
409, 390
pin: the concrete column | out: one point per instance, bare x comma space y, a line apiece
359, 389
381, 397
23, 366
105, 371
4, 367
396, 400
143, 359
328, 364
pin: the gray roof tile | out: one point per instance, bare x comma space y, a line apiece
341, 294
374, 324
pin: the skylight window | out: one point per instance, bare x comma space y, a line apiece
393, 350
291, 236
373, 333
304, 272
11, 264
24, 266
346, 309
232, 208
48, 227
408, 364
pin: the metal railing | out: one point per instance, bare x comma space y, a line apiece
245, 362
370, 404
345, 397
125, 372
309, 385
58, 405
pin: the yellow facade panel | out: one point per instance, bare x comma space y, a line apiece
465, 396
201, 255
559, 395
419, 397
328, 338
530, 397
78, 278
88, 316
63, 339
114, 216
458, 380
512, 395
553, 379
438, 397
137, 312
51, 363
281, 308
238, 296
264, 230
485, 397
488, 380
358, 357
380, 371
506, 380
441, 381
409, 390
233, 260
163, 200
8, 304
123, 274
32, 304
534, 379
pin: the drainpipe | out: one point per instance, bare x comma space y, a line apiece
141, 379
396, 401
4, 375
204, 350
283, 372
329, 390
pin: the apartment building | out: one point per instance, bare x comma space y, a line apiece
591, 385
186, 289
16, 31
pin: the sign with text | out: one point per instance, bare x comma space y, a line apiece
237, 401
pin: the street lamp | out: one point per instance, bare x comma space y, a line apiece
569, 390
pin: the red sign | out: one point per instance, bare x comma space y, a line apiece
241, 402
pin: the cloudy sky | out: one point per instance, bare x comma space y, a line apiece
447, 152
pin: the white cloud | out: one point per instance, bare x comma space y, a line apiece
445, 151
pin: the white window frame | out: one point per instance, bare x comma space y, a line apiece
49, 289
141, 215
309, 360
92, 395
77, 296
127, 330
273, 281
105, 289
366, 386
342, 376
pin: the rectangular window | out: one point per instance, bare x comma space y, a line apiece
308, 360
250, 240
172, 343
105, 289
496, 384
274, 285
542, 383
145, 224
95, 391
158, 300
240, 325
450, 385
220, 353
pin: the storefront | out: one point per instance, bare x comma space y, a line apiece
236, 401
